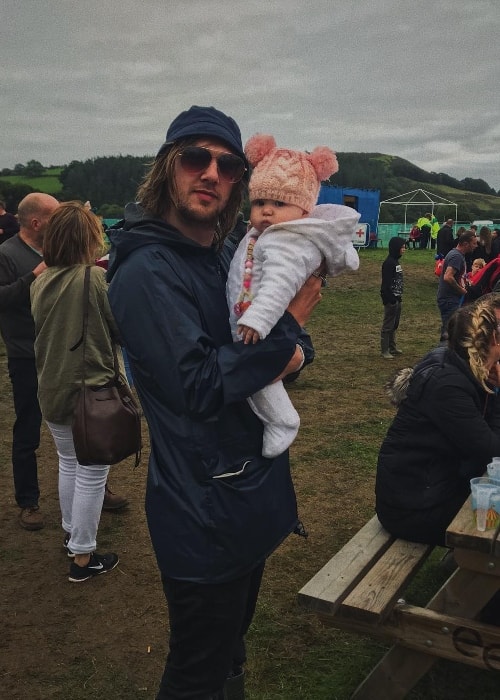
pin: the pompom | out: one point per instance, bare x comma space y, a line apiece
324, 162
258, 146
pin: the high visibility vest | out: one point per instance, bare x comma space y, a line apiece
434, 227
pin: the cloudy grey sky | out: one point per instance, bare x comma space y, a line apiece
419, 80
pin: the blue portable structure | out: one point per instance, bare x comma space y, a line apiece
366, 202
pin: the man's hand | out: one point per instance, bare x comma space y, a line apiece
39, 269
307, 297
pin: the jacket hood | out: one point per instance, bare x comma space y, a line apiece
395, 245
337, 223
412, 380
137, 230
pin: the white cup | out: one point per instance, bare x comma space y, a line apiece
494, 469
483, 494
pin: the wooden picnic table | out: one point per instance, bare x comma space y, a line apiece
445, 628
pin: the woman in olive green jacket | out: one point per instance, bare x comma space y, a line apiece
72, 242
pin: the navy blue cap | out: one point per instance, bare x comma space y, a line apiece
204, 121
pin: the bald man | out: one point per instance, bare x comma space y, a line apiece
20, 263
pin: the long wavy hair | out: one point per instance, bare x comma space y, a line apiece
158, 192
470, 332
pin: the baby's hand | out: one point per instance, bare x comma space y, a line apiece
248, 335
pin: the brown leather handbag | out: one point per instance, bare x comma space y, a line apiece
106, 423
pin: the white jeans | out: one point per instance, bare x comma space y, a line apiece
81, 492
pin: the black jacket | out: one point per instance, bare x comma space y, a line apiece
445, 240
17, 262
391, 288
445, 432
215, 507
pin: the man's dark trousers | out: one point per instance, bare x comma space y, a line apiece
208, 623
26, 431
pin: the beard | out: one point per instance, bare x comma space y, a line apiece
197, 216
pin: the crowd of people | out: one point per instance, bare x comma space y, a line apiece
208, 363
468, 266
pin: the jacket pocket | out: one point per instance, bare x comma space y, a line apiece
237, 470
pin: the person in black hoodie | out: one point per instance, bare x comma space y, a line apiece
446, 430
391, 292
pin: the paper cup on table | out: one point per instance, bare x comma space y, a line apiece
489, 488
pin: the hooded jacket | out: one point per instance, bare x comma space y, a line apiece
445, 432
215, 507
391, 289
445, 240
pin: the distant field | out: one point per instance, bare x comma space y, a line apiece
48, 183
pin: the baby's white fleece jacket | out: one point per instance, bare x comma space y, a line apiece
284, 256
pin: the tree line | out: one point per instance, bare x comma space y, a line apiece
109, 182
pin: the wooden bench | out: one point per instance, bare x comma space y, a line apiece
366, 577
361, 587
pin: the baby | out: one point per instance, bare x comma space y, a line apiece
288, 240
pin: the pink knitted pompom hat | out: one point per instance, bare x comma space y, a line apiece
288, 176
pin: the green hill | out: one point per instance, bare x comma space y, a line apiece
395, 176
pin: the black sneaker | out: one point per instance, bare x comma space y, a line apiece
67, 538
98, 564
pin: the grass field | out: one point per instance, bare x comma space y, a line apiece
108, 639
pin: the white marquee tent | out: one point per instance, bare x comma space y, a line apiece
426, 201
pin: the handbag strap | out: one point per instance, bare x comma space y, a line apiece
85, 323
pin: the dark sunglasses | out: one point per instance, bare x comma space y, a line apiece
195, 159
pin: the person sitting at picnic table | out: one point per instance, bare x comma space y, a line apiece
414, 236
446, 430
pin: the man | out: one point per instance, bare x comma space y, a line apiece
451, 286
445, 238
424, 224
9, 225
216, 508
20, 263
